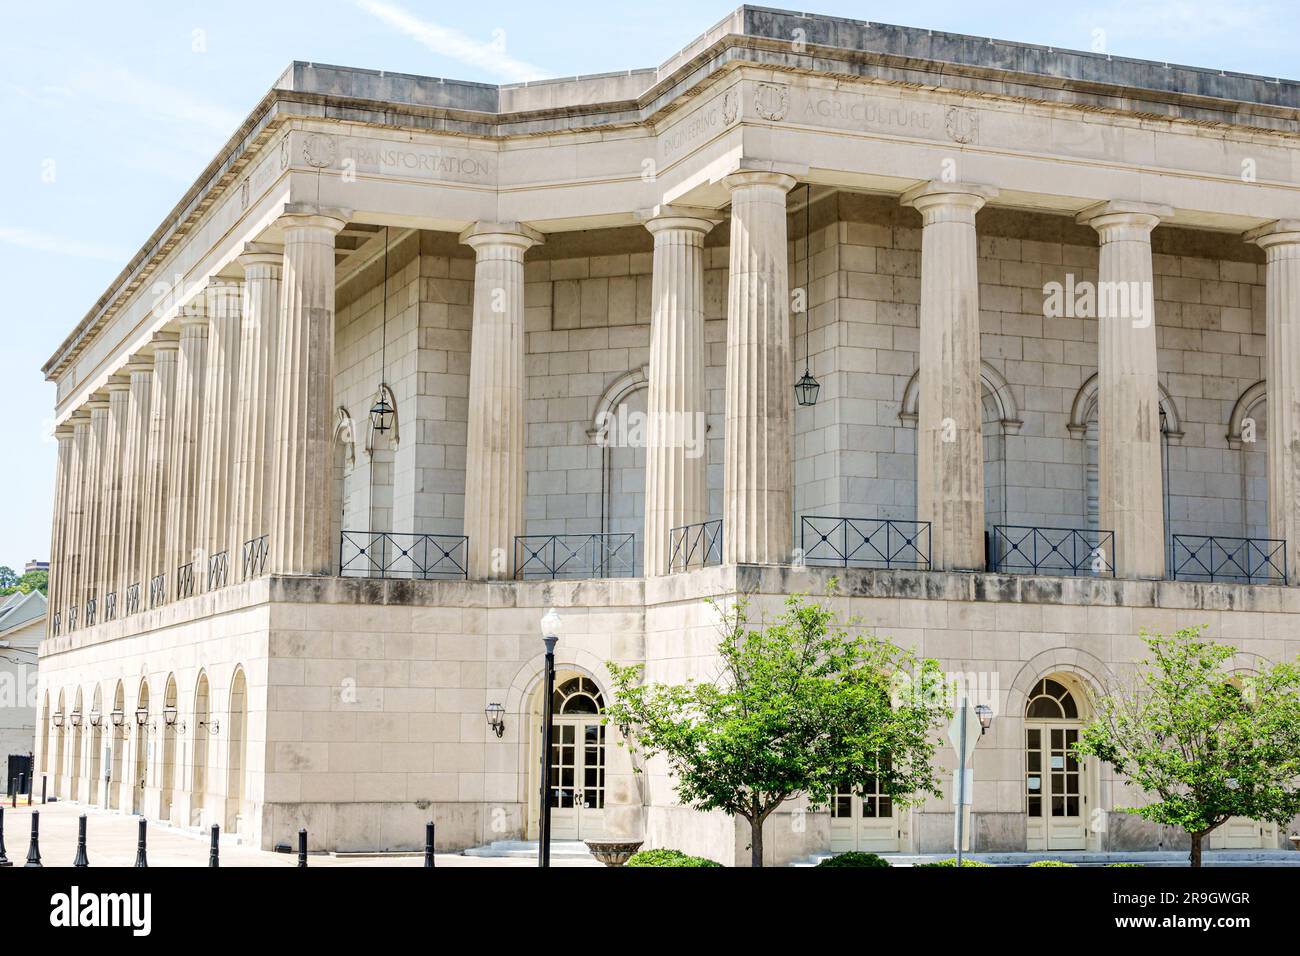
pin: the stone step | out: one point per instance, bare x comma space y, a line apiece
518, 849
1171, 858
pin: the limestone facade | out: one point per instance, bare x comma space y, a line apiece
1028, 304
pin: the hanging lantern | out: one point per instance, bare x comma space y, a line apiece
806, 389
381, 413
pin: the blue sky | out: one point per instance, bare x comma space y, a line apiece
110, 110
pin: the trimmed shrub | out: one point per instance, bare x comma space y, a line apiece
1052, 863
952, 861
855, 858
667, 858
1115, 865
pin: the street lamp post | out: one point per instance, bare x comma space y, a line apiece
550, 636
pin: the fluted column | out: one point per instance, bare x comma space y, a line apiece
304, 384
191, 365
76, 509
162, 419
757, 471
93, 493
494, 445
1281, 243
949, 443
676, 490
59, 569
255, 404
135, 454
1130, 487
214, 530
113, 466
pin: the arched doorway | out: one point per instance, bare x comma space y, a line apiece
96, 789
199, 776
74, 768
141, 774
236, 758
865, 818
119, 740
1057, 782
169, 751
1243, 833
577, 762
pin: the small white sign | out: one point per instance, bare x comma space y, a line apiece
1035, 783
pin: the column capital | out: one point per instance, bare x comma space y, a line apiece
165, 341
937, 195
514, 234
140, 361
261, 254
1282, 232
744, 178
299, 215
117, 382
194, 313
1118, 219
96, 402
659, 219
63, 430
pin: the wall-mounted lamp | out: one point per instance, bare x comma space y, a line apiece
170, 715
142, 716
496, 718
56, 718
75, 718
985, 713
213, 727
96, 718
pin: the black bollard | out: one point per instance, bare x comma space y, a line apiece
302, 847
428, 843
141, 859
43, 788
4, 860
34, 851
81, 861
214, 855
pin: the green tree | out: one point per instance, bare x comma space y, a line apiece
798, 707
1205, 744
8, 580
31, 581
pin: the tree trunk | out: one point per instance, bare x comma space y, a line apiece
1195, 858
756, 841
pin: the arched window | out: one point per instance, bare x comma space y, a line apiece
577, 695
1051, 701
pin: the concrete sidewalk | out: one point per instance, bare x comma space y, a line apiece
111, 841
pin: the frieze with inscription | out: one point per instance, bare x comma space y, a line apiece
703, 123
454, 165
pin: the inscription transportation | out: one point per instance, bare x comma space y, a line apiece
436, 163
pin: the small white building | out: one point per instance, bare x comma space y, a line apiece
22, 627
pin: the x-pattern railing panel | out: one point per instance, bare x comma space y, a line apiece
827, 541
595, 555
394, 554
1029, 549
695, 545
1204, 557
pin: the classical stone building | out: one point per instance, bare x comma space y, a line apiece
1051, 301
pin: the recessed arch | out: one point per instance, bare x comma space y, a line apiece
169, 732
999, 390
615, 394
140, 720
1245, 405
199, 772
118, 733
237, 757
1084, 409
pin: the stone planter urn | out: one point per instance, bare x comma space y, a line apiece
613, 852
1295, 840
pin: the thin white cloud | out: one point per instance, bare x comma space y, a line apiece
444, 41
43, 242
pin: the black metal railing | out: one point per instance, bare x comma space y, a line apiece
133, 598
1026, 549
91, 606
110, 606
1204, 557
55, 621
254, 556
598, 555
397, 554
158, 590
695, 545
72, 618
864, 542
185, 580
218, 570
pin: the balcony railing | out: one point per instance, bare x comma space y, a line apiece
1025, 549
55, 621
864, 542
254, 557
185, 580
110, 606
158, 590
1203, 557
599, 555
133, 598
72, 618
393, 554
218, 570
91, 606
695, 545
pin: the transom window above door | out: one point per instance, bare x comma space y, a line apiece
1051, 700
577, 695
